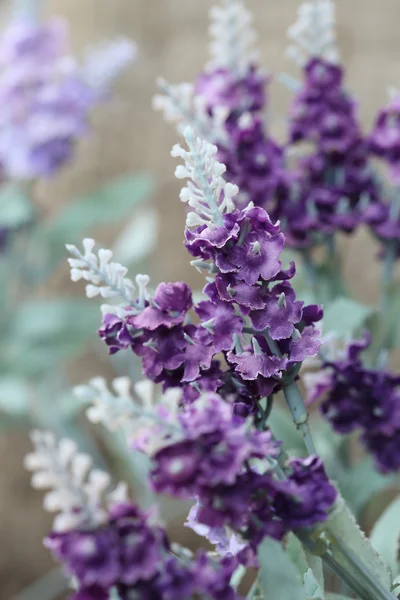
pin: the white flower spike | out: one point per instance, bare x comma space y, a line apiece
145, 421
206, 192
104, 63
233, 37
106, 278
78, 492
314, 33
180, 105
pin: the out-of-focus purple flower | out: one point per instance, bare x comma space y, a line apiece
90, 556
307, 497
44, 97
322, 112
385, 137
253, 160
215, 447
93, 592
225, 543
140, 547
222, 88
355, 397
327, 189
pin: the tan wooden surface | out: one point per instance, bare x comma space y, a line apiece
128, 136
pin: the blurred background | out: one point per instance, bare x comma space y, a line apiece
129, 137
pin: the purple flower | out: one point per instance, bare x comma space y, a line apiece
222, 88
322, 112
307, 497
220, 320
280, 313
385, 138
45, 107
230, 289
257, 258
170, 304
226, 544
115, 333
160, 350
258, 361
245, 506
93, 592
175, 581
205, 240
213, 452
90, 556
304, 344
198, 352
254, 161
140, 547
213, 580
366, 399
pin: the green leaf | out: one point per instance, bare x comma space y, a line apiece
312, 587
361, 482
345, 316
110, 203
337, 597
317, 568
385, 536
279, 577
14, 396
15, 208
46, 331
342, 525
138, 239
296, 552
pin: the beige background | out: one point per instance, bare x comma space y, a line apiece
128, 136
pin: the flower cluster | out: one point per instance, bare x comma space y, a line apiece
209, 453
356, 397
214, 461
46, 97
114, 546
330, 186
328, 189
251, 315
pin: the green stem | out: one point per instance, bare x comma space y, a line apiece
310, 273
299, 414
346, 577
387, 272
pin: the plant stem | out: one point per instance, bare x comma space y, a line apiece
346, 577
310, 272
299, 414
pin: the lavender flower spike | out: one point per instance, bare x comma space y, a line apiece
207, 192
314, 33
